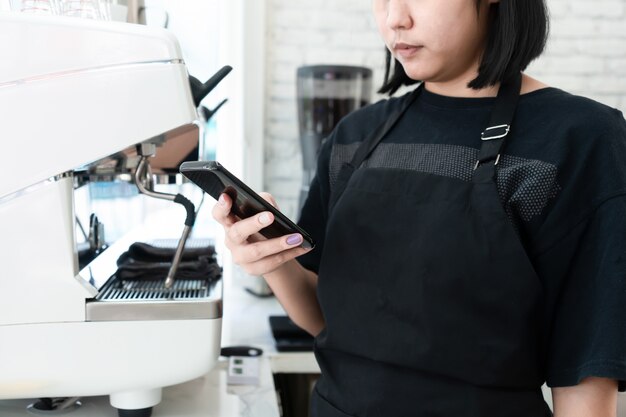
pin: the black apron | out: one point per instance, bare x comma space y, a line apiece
432, 307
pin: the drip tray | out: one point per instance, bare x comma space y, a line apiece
155, 290
150, 300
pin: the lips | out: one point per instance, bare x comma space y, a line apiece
406, 50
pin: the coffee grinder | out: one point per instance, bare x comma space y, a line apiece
326, 93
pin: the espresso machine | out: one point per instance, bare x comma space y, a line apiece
84, 102
326, 93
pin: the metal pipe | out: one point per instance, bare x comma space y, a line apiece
69, 402
139, 173
169, 281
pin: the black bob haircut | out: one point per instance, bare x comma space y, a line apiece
517, 34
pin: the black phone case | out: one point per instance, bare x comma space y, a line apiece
214, 179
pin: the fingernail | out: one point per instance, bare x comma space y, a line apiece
222, 200
294, 240
264, 218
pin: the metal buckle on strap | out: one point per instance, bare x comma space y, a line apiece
501, 131
478, 162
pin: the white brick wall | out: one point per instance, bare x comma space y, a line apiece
586, 55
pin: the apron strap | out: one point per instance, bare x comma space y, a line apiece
369, 144
494, 136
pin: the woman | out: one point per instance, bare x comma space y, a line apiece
454, 275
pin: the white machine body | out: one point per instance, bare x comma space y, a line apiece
73, 92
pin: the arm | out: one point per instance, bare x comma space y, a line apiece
294, 286
296, 289
593, 397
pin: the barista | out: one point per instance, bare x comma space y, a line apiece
460, 263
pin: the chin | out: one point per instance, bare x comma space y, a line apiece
418, 71
418, 75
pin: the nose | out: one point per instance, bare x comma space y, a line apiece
398, 15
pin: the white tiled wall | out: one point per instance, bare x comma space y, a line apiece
586, 55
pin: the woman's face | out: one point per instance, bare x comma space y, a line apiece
437, 41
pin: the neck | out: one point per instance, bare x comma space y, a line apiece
459, 88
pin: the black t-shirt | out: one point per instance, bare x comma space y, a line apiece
562, 182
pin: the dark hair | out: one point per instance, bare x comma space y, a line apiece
517, 34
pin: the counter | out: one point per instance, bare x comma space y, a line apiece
208, 396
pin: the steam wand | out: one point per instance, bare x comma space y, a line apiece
143, 172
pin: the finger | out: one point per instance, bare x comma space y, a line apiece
270, 198
221, 211
262, 249
270, 263
257, 237
239, 232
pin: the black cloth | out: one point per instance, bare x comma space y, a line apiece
144, 252
144, 262
203, 268
561, 181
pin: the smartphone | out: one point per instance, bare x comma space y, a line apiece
215, 180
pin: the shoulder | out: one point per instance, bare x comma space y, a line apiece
586, 141
579, 116
355, 127
562, 128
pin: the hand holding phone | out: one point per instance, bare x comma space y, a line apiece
214, 179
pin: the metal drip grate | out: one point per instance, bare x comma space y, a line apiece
155, 290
